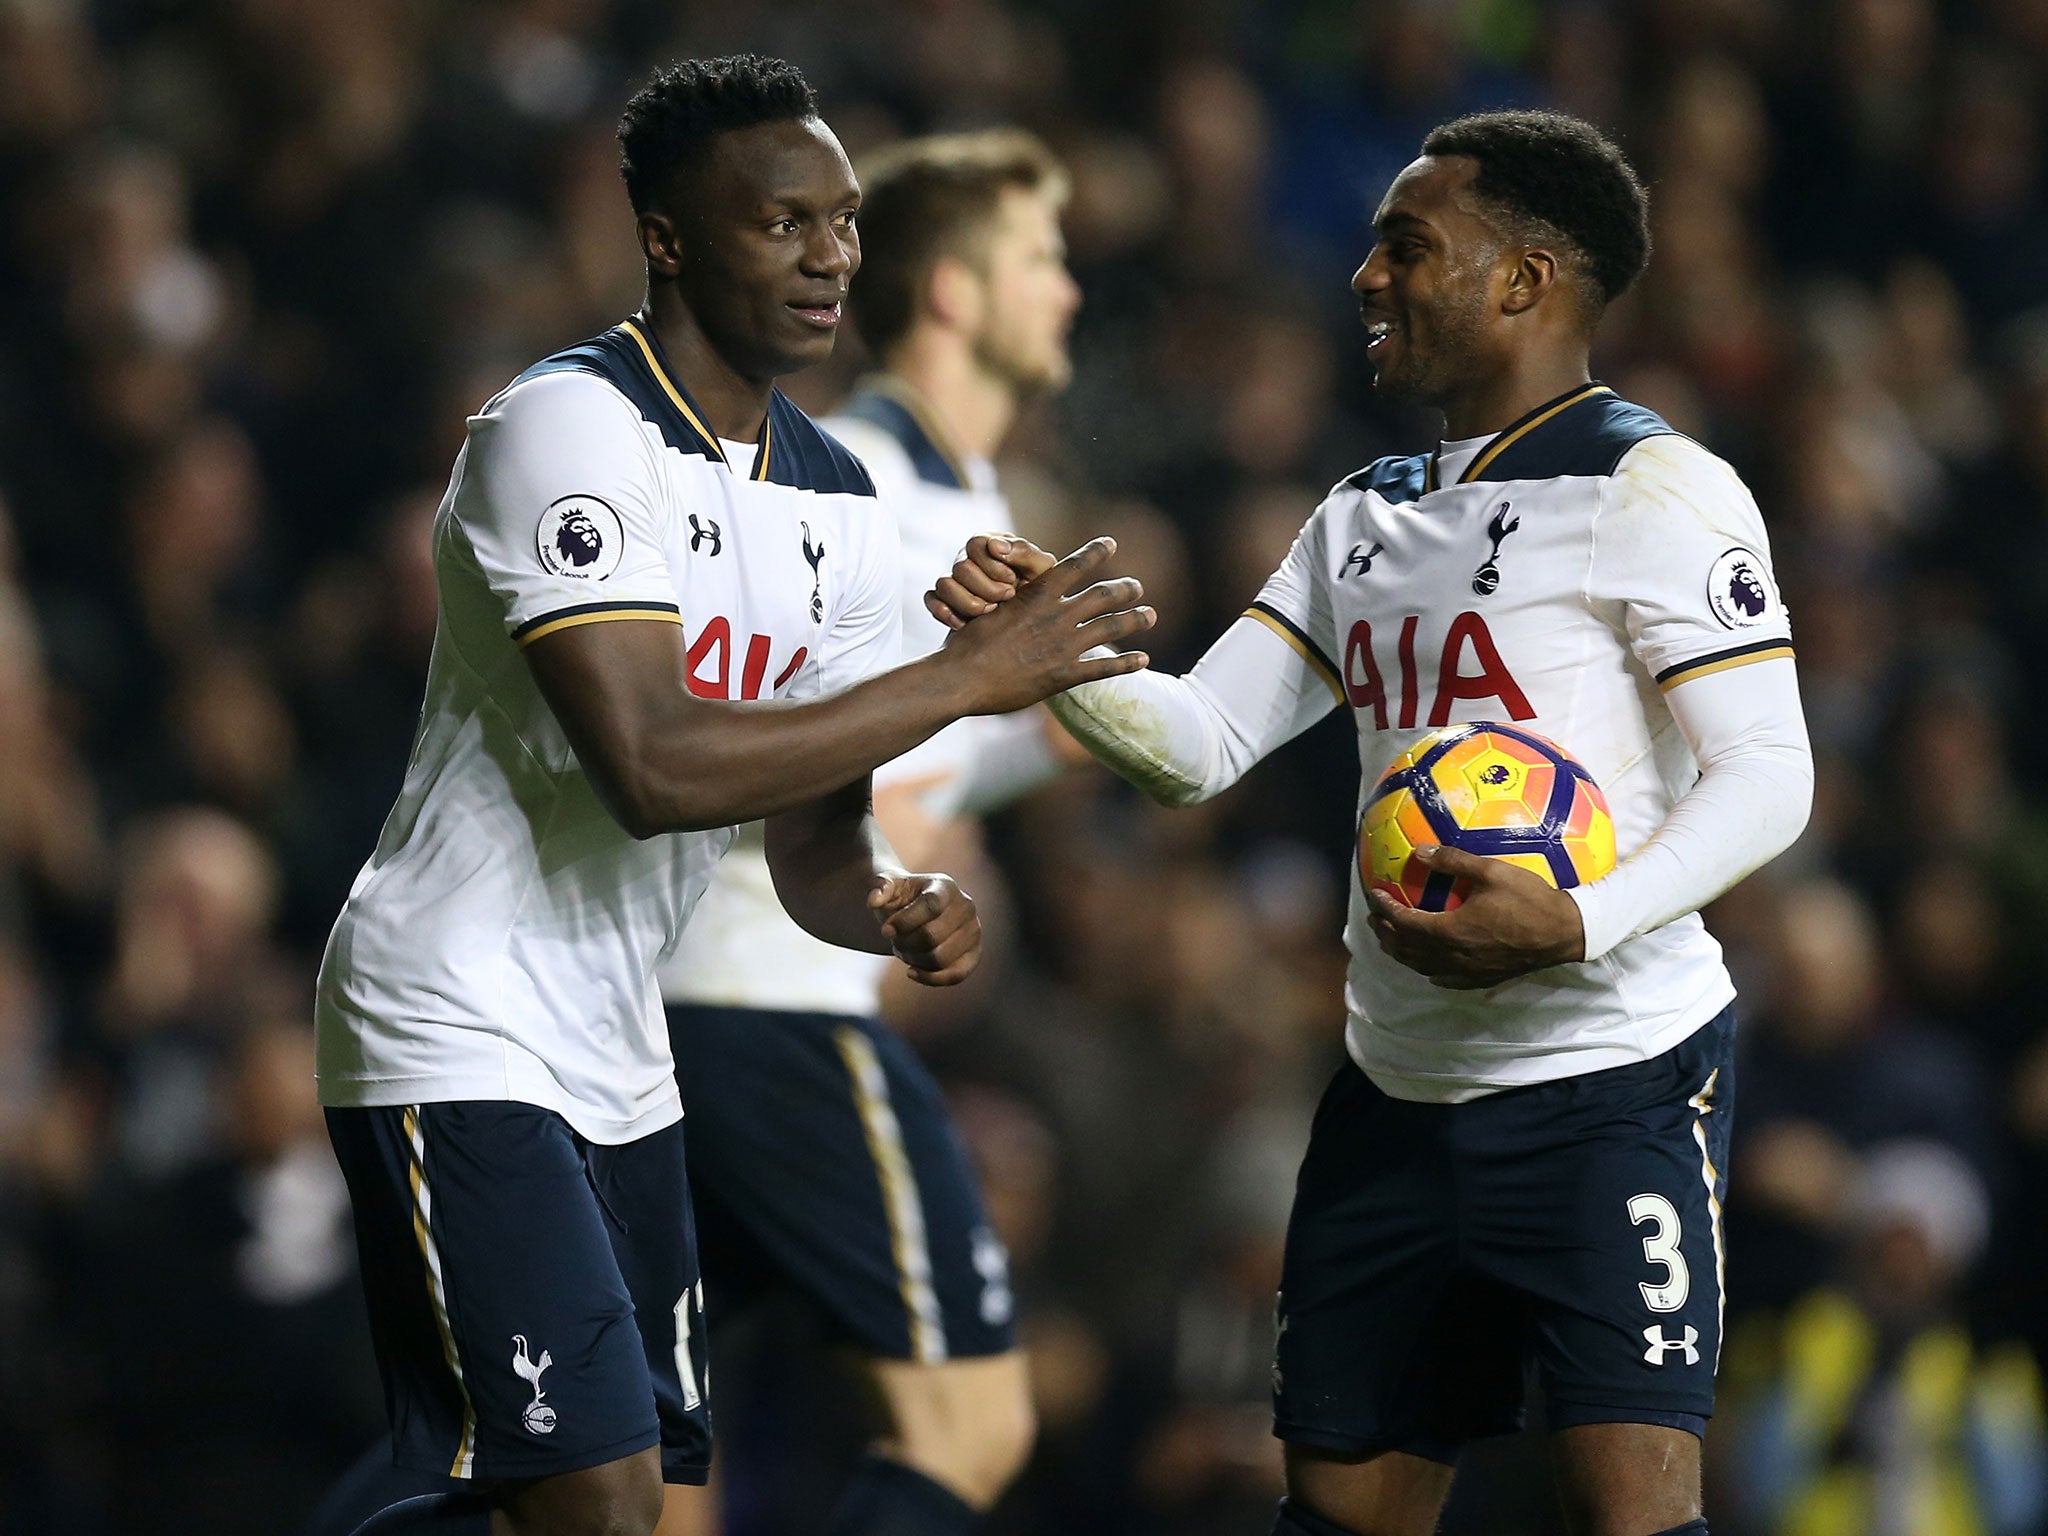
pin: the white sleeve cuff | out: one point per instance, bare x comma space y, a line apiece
1603, 917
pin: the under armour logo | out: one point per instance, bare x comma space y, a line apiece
1661, 1346
540, 1418
817, 558
700, 532
1487, 577
1361, 557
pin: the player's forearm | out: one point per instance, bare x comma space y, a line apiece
824, 858
713, 764
665, 760
1150, 729
1184, 739
1751, 801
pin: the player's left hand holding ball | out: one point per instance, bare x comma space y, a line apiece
1510, 923
931, 926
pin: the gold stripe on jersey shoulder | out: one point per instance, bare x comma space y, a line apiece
1706, 666
767, 445
1513, 435
1308, 653
592, 613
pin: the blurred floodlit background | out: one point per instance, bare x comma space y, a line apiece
258, 258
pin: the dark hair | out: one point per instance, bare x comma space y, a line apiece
1558, 177
675, 114
927, 198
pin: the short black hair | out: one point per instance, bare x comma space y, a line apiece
1559, 177
675, 114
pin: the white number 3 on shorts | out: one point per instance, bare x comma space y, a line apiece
1661, 1247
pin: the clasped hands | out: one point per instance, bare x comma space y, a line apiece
1510, 922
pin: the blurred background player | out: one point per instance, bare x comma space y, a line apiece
1522, 1165
646, 557
822, 1154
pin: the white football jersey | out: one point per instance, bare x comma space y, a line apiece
1563, 574
741, 949
501, 942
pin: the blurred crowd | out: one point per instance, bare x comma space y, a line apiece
262, 256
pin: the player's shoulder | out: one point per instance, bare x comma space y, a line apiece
1586, 434
897, 485
885, 420
613, 381
805, 456
1670, 487
1595, 434
881, 455
1672, 464
560, 390
623, 374
1398, 477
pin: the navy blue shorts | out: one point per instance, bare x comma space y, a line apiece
533, 1296
1571, 1229
822, 1157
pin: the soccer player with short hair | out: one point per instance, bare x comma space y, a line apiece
1523, 1162
667, 600
821, 1153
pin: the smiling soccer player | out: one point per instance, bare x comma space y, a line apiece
666, 600
1524, 1162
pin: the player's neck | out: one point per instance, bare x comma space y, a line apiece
1508, 396
971, 407
734, 406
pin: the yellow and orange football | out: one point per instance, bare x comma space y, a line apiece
1490, 789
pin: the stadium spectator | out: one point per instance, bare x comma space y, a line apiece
1874, 1409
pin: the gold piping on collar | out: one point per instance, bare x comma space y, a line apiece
631, 326
1493, 450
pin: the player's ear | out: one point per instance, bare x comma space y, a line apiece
660, 243
1532, 273
954, 293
